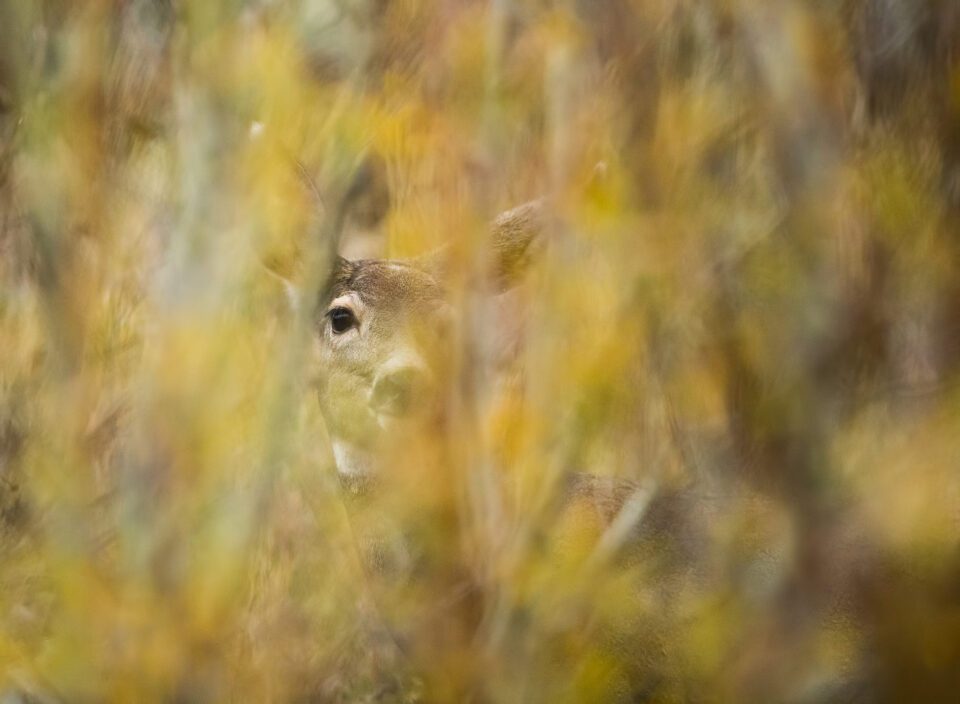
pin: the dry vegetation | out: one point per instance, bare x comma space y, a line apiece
752, 306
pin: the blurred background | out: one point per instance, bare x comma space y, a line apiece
755, 298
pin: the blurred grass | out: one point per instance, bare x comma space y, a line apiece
758, 299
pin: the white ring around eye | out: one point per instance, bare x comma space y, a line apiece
351, 301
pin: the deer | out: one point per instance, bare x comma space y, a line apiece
385, 335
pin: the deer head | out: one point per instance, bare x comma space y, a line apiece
384, 333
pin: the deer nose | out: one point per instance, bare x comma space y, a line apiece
397, 391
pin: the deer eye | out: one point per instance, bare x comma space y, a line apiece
341, 320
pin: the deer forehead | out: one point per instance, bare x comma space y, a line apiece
386, 285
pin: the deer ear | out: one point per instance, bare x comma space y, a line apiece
515, 239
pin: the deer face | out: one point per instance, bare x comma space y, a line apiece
383, 332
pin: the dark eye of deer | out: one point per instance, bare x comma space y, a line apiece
341, 320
